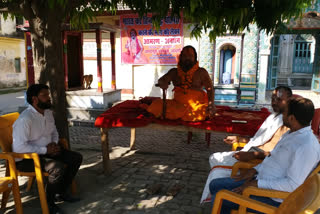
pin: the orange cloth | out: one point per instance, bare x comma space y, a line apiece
189, 106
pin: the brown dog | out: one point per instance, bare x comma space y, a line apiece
87, 80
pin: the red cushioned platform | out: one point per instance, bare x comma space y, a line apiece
129, 114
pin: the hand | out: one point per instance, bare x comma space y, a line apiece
53, 149
211, 110
231, 139
163, 85
240, 189
247, 175
244, 156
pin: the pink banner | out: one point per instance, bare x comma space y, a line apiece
140, 44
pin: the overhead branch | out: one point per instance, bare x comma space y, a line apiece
12, 7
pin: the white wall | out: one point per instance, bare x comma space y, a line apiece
8, 26
10, 49
90, 65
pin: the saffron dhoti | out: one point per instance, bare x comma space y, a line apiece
187, 104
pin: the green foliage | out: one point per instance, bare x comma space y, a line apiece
216, 16
77, 12
85, 12
223, 16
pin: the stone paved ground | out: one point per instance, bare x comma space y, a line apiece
161, 157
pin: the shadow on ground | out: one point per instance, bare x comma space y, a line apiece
161, 157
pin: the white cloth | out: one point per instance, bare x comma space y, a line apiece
293, 158
266, 131
263, 135
32, 132
214, 174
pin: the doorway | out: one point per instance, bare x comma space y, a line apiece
74, 56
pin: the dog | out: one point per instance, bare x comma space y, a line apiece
87, 80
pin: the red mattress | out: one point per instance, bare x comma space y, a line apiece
129, 114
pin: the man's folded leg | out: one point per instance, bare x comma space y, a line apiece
55, 169
72, 161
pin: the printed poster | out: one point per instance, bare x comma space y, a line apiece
141, 44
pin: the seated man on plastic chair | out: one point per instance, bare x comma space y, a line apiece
35, 132
257, 147
272, 126
289, 163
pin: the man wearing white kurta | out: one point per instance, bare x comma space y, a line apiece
265, 139
289, 163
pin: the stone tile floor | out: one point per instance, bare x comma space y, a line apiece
161, 157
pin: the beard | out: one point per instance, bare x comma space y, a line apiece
44, 105
186, 65
286, 123
276, 109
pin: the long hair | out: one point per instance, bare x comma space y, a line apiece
194, 50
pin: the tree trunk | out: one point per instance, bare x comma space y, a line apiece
48, 63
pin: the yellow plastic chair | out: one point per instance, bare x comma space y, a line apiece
11, 183
240, 165
272, 193
237, 145
259, 191
6, 122
304, 200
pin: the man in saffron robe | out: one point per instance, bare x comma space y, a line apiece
134, 48
190, 102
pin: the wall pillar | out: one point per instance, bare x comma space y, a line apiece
99, 60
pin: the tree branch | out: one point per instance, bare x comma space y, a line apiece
12, 7
27, 10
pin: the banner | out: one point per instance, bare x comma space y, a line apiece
140, 44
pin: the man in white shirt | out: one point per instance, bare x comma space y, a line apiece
267, 130
35, 132
289, 163
257, 147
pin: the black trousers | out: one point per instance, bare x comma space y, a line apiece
61, 168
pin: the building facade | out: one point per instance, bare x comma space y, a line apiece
244, 68
12, 53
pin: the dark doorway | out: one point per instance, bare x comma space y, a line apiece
75, 72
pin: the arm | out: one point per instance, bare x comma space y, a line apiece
247, 156
127, 44
243, 139
54, 134
208, 84
141, 49
235, 139
300, 165
20, 134
165, 80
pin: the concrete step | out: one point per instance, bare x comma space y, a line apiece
89, 114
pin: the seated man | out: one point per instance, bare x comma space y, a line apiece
289, 163
265, 138
190, 102
35, 132
259, 145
